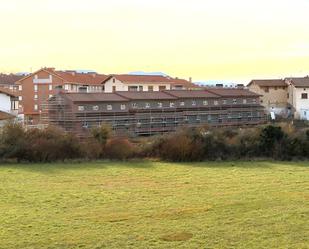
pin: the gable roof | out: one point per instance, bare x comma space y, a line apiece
299, 82
232, 92
268, 82
9, 79
72, 76
8, 92
191, 94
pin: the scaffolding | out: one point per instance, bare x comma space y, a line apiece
148, 121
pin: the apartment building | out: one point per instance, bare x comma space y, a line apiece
274, 95
36, 88
136, 113
128, 82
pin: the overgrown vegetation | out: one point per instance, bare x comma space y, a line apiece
199, 144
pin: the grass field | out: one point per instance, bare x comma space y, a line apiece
155, 205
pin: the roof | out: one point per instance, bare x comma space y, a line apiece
5, 116
268, 82
9, 79
232, 92
146, 95
191, 94
94, 97
73, 76
300, 82
150, 79
8, 92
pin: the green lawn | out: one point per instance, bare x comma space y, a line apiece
155, 205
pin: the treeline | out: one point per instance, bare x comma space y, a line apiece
205, 143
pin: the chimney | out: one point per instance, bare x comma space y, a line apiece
190, 79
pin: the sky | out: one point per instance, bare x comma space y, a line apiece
204, 39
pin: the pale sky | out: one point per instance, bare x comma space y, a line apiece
205, 39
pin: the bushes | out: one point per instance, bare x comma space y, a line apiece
52, 144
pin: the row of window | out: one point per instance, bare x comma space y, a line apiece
36, 87
160, 105
36, 97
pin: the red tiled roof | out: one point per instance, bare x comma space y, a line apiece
268, 82
82, 78
191, 94
94, 97
9, 79
232, 92
5, 116
8, 92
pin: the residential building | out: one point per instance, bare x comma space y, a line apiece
128, 82
274, 95
8, 101
298, 97
146, 113
36, 88
8, 80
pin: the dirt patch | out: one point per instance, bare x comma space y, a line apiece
184, 236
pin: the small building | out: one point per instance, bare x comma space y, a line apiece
146, 113
8, 101
274, 95
298, 100
128, 82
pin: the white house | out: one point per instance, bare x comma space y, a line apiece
8, 101
127, 82
298, 97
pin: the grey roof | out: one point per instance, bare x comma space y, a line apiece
192, 94
268, 82
232, 92
146, 95
95, 97
299, 82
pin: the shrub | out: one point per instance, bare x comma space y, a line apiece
118, 148
102, 133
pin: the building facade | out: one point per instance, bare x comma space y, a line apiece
298, 97
274, 95
148, 113
127, 82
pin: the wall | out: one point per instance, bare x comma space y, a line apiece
299, 103
5, 102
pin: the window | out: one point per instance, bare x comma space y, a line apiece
50, 87
20, 98
194, 103
20, 87
234, 101
66, 87
35, 88
122, 107
160, 105
147, 105
172, 104
224, 102
134, 105
266, 89
162, 88
36, 107
81, 108
276, 88
95, 108
132, 88
114, 80
150, 88
35, 96
50, 95
109, 107
216, 102
182, 103
205, 102
244, 101
140, 88
114, 88
304, 95
254, 101
288, 95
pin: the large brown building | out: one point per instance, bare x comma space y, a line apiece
147, 113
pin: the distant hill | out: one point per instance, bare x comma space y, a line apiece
147, 73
